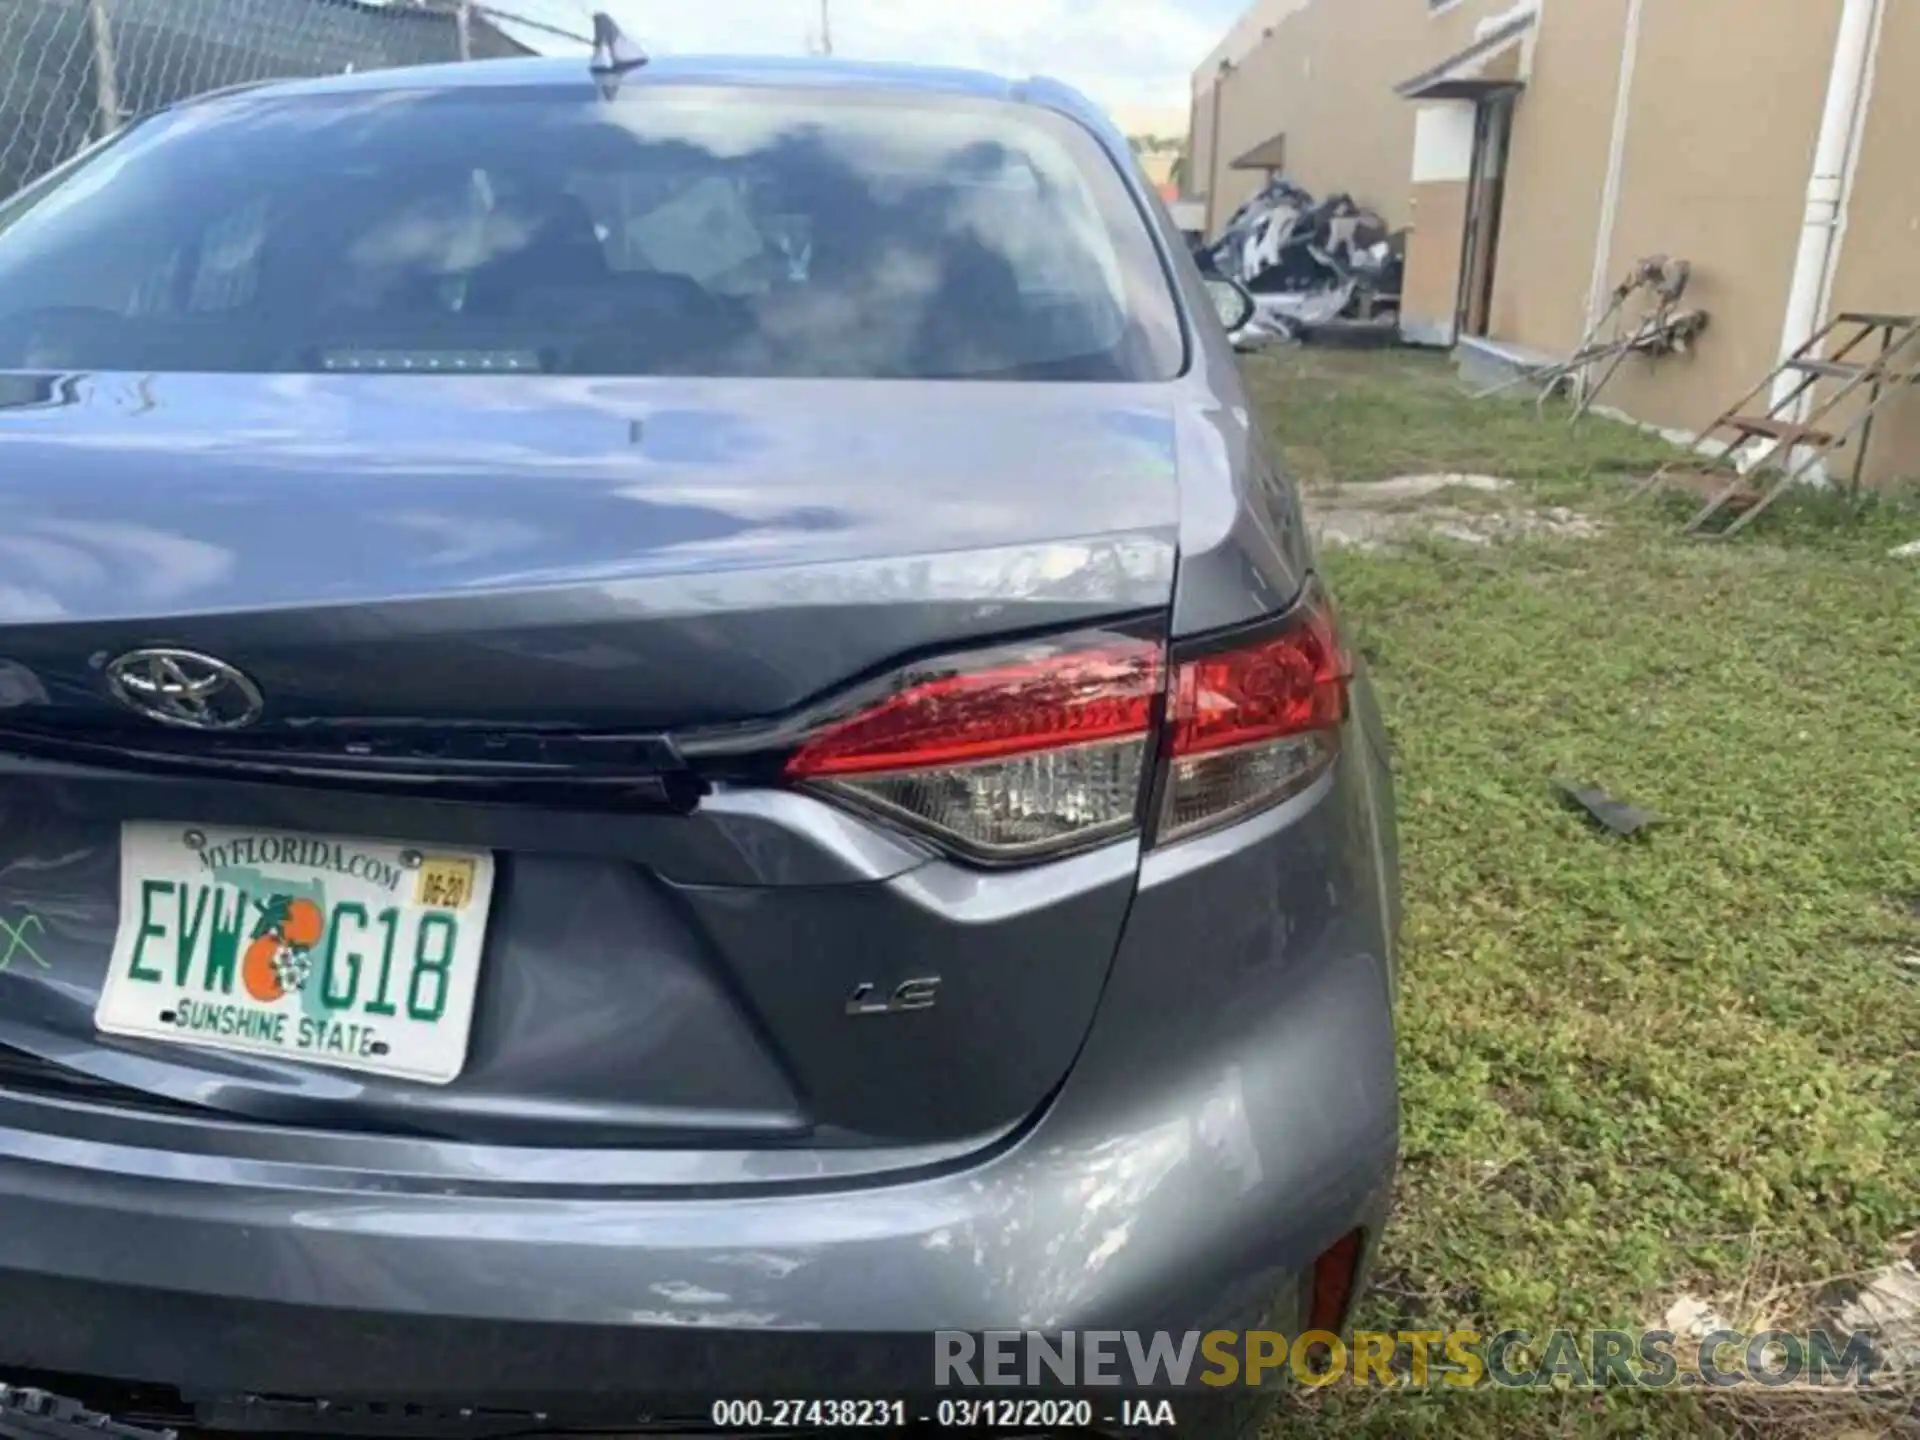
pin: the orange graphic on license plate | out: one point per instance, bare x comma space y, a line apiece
278, 958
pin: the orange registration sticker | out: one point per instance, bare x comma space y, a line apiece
446, 882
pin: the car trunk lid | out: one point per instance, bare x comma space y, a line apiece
646, 553
431, 579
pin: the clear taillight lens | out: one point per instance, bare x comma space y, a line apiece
1254, 721
1010, 760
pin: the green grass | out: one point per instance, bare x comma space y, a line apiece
1630, 1069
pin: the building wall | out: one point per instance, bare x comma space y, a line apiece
1442, 163
1879, 269
1200, 144
1726, 107
1244, 35
1556, 175
1325, 77
1722, 117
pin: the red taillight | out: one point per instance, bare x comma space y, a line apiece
1012, 760
1286, 684
1250, 724
1016, 757
1333, 1276
1073, 698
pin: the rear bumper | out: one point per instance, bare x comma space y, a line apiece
1233, 1112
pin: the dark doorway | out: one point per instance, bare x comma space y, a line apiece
1486, 189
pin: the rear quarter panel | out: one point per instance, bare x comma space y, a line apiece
1244, 549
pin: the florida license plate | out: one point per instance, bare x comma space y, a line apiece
360, 954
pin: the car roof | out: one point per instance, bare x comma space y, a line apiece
809, 72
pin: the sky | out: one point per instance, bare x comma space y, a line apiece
1126, 54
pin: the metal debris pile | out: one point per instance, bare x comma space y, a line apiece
1308, 262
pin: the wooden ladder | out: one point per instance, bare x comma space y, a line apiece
1799, 440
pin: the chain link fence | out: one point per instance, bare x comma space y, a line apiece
72, 71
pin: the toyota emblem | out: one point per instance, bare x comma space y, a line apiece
185, 688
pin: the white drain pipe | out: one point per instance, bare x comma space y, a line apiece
1601, 286
1827, 185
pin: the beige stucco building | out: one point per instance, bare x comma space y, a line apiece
1538, 149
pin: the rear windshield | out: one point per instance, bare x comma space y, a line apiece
672, 230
